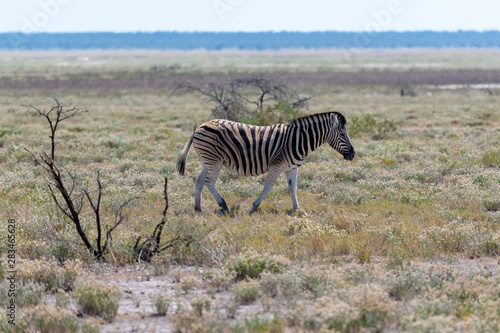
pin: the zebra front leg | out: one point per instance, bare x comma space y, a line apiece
198, 187
271, 179
212, 175
292, 189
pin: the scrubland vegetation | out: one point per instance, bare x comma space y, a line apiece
406, 237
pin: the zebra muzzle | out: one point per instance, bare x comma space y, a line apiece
350, 155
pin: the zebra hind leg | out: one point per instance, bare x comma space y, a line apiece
198, 187
212, 175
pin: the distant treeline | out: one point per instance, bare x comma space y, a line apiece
247, 40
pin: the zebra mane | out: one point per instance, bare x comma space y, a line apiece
301, 120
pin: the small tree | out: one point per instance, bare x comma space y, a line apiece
267, 89
70, 199
257, 99
227, 105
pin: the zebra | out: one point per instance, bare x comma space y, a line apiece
248, 150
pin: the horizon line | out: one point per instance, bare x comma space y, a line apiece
248, 32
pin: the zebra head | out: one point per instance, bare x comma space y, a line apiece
338, 138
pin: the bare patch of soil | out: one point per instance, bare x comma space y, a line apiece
139, 285
145, 81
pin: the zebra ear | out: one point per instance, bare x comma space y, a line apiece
335, 120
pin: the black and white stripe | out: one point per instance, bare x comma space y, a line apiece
248, 150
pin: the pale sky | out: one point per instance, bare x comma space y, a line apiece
247, 15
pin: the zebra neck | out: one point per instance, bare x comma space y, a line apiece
306, 139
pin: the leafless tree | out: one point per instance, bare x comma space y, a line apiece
246, 97
70, 198
220, 93
268, 89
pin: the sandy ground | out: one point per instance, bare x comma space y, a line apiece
141, 283
136, 312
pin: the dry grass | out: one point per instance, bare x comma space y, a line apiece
403, 238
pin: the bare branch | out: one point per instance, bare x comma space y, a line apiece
301, 103
246, 96
35, 159
152, 244
64, 210
61, 114
96, 207
118, 220
159, 228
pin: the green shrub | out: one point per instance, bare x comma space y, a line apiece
491, 158
62, 300
21, 326
88, 328
61, 250
161, 304
97, 299
188, 283
331, 314
491, 205
439, 323
31, 321
269, 284
290, 284
459, 236
373, 304
251, 264
246, 292
405, 284
219, 280
192, 322
257, 324
425, 308
368, 125
479, 180
49, 319
201, 303
50, 274
27, 294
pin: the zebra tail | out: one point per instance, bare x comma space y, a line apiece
181, 162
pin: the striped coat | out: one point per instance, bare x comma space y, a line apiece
248, 150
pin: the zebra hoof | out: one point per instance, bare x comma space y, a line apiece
300, 212
224, 211
253, 211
